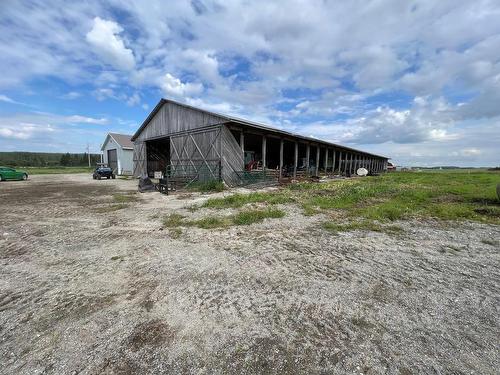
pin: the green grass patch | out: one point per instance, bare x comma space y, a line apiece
211, 222
248, 217
207, 186
245, 217
453, 195
124, 198
173, 220
466, 195
239, 200
56, 170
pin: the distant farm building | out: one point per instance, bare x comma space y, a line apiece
178, 139
117, 152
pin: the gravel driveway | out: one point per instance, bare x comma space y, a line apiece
91, 287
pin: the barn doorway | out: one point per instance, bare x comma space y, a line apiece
157, 155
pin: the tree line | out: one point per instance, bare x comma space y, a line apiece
43, 159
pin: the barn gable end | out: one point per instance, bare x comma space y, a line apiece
171, 118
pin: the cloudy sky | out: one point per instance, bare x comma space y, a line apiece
418, 81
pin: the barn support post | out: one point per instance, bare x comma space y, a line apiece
346, 157
351, 166
317, 160
242, 142
326, 160
308, 156
281, 157
345, 163
333, 161
295, 159
340, 162
264, 148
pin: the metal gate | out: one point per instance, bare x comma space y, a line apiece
113, 160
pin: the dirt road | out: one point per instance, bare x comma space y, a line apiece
87, 290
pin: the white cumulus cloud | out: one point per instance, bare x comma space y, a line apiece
77, 119
175, 87
109, 46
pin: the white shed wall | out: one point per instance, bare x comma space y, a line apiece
124, 156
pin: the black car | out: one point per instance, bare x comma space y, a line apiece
101, 172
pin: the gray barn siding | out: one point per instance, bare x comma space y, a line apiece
197, 151
139, 159
232, 157
173, 118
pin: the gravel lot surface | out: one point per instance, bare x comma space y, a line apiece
91, 287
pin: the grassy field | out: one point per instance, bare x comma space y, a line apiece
366, 202
56, 170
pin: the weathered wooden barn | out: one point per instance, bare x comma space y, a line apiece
180, 139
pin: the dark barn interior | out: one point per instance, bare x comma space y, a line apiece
158, 155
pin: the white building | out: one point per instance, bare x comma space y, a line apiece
118, 151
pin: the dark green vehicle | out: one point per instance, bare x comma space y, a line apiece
7, 173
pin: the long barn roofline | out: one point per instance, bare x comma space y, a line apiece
232, 119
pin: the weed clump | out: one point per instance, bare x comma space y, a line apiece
207, 186
245, 217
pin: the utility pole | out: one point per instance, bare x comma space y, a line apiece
88, 153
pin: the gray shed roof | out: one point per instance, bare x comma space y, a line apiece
124, 140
